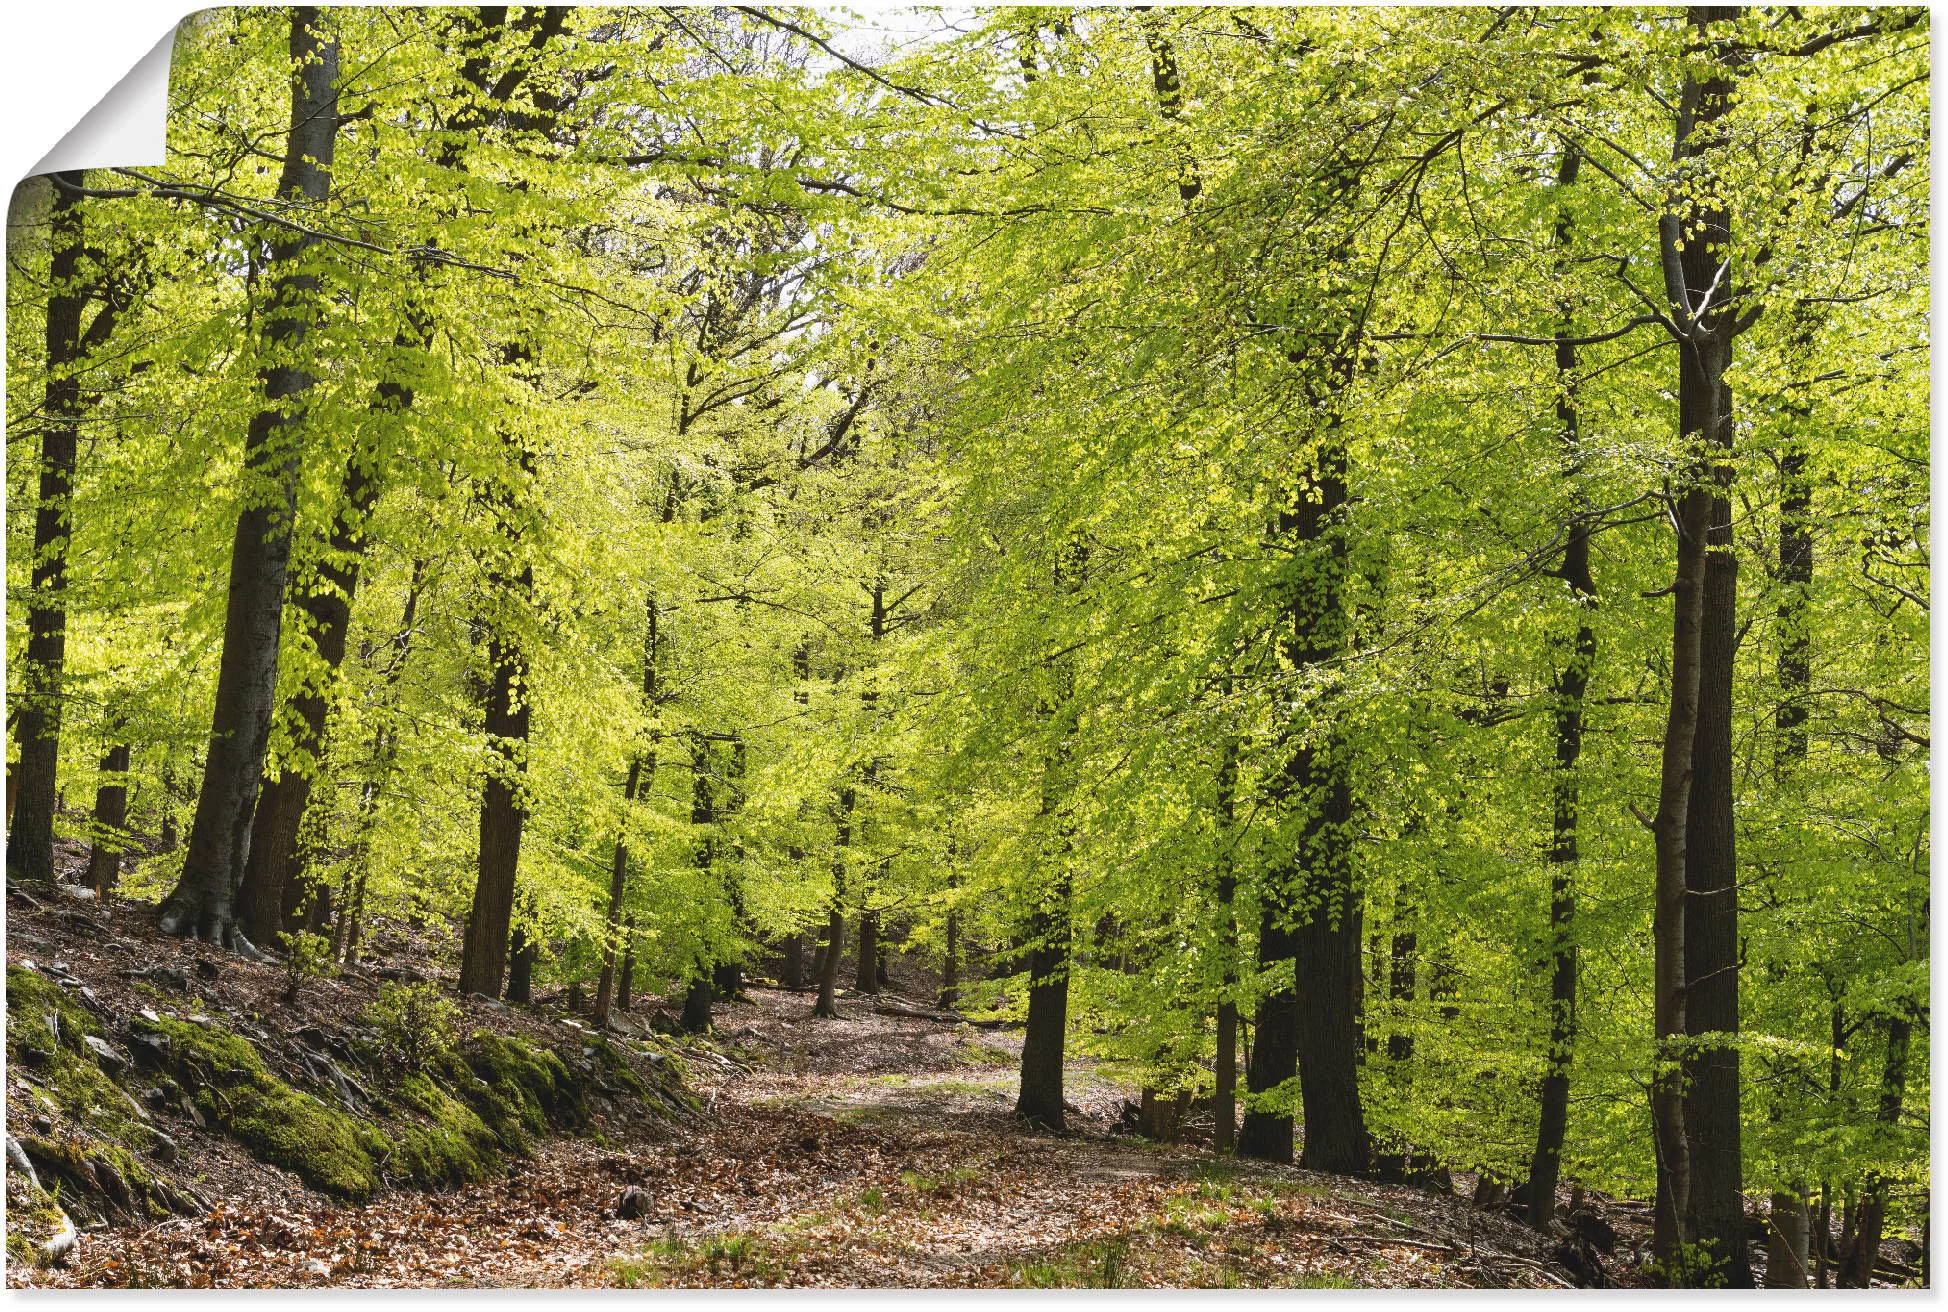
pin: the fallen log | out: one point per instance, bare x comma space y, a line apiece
886, 1008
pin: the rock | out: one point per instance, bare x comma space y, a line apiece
164, 1149
111, 1061
633, 1205
1593, 1230
57, 1248
17, 1159
195, 1113
173, 978
486, 1001
150, 1050
43, 1125
75, 891
113, 1186
207, 969
157, 1098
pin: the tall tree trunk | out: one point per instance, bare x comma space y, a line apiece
865, 978
626, 980
1045, 1038
37, 715
203, 902
274, 889
1572, 686
503, 805
612, 922
521, 958
1224, 1093
791, 964
1266, 1134
949, 997
641, 770
1694, 240
827, 1005
1857, 1261
1788, 1263
111, 820
1711, 1114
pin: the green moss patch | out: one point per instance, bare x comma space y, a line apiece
327, 1149
47, 1033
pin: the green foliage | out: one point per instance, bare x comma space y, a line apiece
306, 956
414, 1023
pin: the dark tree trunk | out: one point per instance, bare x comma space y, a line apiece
273, 892
696, 1004
1403, 972
1224, 1094
204, 901
1858, 1259
1711, 1115
827, 1005
520, 968
1327, 974
1267, 1135
792, 961
865, 978
612, 923
37, 716
1693, 245
626, 982
950, 965
1572, 686
111, 820
503, 806
1045, 1039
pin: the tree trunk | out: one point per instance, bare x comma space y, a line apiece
612, 923
626, 984
827, 1005
696, 1003
1403, 969
1786, 1260
1045, 1039
37, 716
503, 808
1716, 1219
865, 978
520, 968
1327, 972
949, 997
792, 961
203, 902
274, 890
1266, 1134
1692, 265
111, 819
1572, 686
1858, 1258
1224, 1094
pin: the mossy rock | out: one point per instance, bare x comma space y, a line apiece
33, 1217
327, 1149
47, 1033
522, 1089
69, 1161
457, 1147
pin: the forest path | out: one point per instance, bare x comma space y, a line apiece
869, 1150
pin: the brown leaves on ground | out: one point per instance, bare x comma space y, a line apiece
870, 1150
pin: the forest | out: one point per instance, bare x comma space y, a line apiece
1357, 574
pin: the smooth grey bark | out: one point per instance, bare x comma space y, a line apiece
203, 904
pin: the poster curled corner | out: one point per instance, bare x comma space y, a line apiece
127, 127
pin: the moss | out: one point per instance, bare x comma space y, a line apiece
327, 1149
522, 1089
66, 1159
33, 1218
46, 1029
456, 1148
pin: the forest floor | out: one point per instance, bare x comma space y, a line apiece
870, 1150
867, 1150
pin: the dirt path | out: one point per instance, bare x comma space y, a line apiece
870, 1150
